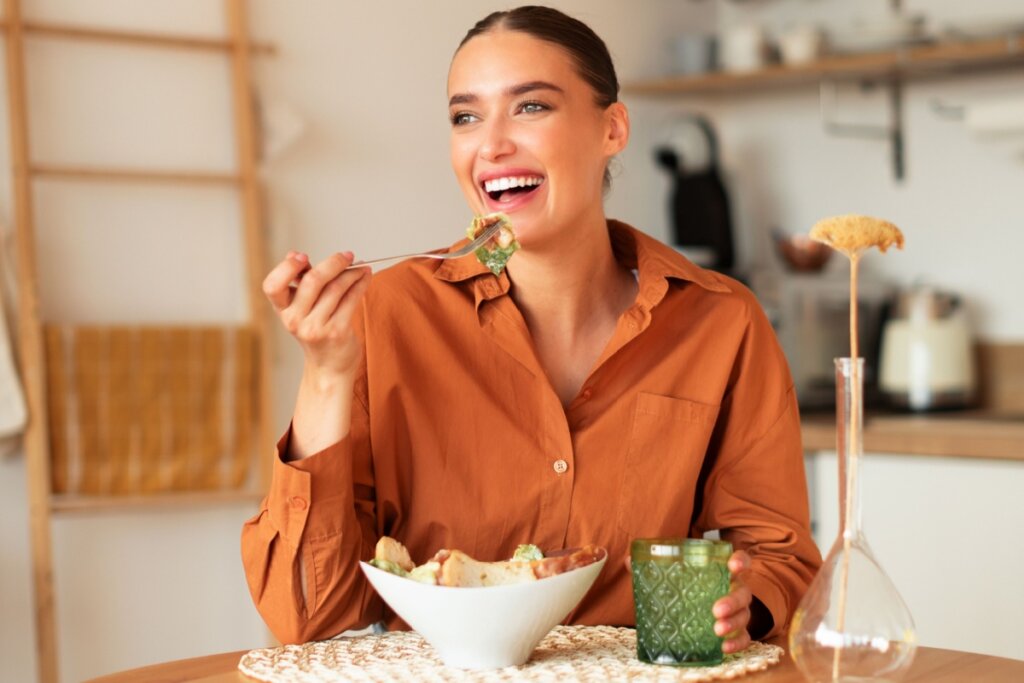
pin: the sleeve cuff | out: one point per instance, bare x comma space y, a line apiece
773, 598
310, 496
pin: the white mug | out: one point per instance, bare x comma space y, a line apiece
801, 44
743, 48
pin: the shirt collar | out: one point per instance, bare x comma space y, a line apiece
486, 285
459, 269
655, 263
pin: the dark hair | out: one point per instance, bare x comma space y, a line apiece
587, 50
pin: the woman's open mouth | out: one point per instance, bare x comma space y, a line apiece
511, 190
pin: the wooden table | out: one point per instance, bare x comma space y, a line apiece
931, 665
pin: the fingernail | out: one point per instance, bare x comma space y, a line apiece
348, 254
300, 257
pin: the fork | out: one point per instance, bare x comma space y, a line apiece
458, 253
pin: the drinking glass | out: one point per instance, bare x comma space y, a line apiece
676, 581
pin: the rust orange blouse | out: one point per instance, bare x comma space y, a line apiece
687, 423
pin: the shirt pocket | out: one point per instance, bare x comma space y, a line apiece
667, 445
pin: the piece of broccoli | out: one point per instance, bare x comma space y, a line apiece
389, 566
527, 552
496, 259
426, 573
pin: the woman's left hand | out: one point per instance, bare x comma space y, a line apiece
732, 613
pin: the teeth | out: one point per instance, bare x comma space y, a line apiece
499, 184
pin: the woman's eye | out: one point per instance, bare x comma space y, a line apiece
462, 118
532, 107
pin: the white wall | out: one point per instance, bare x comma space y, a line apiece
370, 174
959, 205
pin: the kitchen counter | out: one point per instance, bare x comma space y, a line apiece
967, 434
995, 431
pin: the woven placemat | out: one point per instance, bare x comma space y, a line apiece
568, 653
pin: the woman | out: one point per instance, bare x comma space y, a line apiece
603, 388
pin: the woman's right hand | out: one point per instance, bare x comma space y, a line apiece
318, 310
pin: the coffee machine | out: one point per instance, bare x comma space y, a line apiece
699, 206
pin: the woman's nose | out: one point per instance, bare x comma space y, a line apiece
496, 142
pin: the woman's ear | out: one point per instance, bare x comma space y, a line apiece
617, 128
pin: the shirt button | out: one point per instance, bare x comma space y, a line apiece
298, 503
561, 466
585, 394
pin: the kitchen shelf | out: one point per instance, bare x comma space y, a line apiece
964, 435
918, 61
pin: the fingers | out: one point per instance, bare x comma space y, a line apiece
343, 314
316, 279
277, 284
734, 622
732, 613
736, 601
739, 562
337, 301
736, 643
321, 305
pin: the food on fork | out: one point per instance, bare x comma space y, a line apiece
853, 233
456, 568
499, 249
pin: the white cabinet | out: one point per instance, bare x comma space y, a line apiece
950, 534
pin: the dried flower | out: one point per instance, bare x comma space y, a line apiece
853, 233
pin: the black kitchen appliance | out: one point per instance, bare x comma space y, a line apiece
699, 206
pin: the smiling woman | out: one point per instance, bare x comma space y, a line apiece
590, 55
600, 388
530, 129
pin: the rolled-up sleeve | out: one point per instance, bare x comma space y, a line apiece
318, 518
756, 490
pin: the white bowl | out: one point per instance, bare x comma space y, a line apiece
486, 627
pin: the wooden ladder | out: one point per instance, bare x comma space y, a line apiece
35, 340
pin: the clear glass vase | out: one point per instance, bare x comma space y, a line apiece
852, 625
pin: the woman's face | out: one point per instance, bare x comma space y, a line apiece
527, 138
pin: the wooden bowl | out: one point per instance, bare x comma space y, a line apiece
801, 254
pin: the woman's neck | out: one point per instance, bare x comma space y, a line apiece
566, 289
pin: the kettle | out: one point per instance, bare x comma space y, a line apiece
927, 359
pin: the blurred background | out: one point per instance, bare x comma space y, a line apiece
353, 155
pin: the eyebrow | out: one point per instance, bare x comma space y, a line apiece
512, 91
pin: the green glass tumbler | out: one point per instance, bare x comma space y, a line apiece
676, 581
